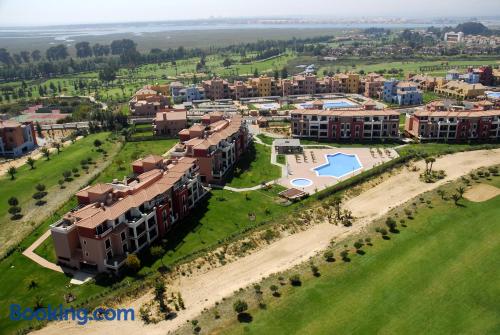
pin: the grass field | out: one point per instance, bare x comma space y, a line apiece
119, 167
435, 149
254, 168
47, 173
436, 276
131, 151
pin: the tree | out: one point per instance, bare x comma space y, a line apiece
46, 153
67, 175
391, 224
336, 202
57, 146
431, 161
97, 143
441, 193
133, 263
284, 73
108, 74
461, 191
31, 162
456, 197
13, 201
58, 52
157, 252
295, 280
240, 306
36, 55
274, 289
83, 49
227, 62
12, 171
328, 255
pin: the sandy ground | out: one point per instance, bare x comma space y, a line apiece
481, 192
202, 290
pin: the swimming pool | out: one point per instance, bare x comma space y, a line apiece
495, 95
339, 165
301, 182
337, 104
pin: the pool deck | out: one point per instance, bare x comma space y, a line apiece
298, 167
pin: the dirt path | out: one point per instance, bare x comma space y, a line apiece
202, 290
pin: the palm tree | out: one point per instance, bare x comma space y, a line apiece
460, 191
441, 193
456, 197
274, 289
31, 162
46, 153
40, 187
431, 160
12, 171
427, 161
57, 146
336, 202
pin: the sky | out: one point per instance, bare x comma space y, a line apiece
54, 12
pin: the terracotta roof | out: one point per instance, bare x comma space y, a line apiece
465, 113
346, 113
171, 116
95, 189
9, 124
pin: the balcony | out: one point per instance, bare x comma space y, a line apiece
62, 226
115, 262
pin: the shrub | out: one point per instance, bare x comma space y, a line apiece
295, 280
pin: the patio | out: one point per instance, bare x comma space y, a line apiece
302, 166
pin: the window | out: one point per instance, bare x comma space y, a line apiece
109, 255
107, 244
123, 235
85, 242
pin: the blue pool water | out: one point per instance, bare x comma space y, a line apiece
301, 182
338, 165
493, 94
337, 104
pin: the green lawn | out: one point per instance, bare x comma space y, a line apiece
47, 173
266, 139
434, 149
129, 153
281, 159
436, 276
254, 168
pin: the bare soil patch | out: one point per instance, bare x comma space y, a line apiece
481, 192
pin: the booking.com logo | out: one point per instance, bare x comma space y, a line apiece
59, 313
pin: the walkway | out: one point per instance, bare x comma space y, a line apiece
30, 253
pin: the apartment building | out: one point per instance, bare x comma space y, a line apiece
345, 124
454, 125
427, 83
454, 37
170, 123
16, 138
403, 93
373, 86
149, 100
217, 146
122, 217
216, 88
348, 82
461, 90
